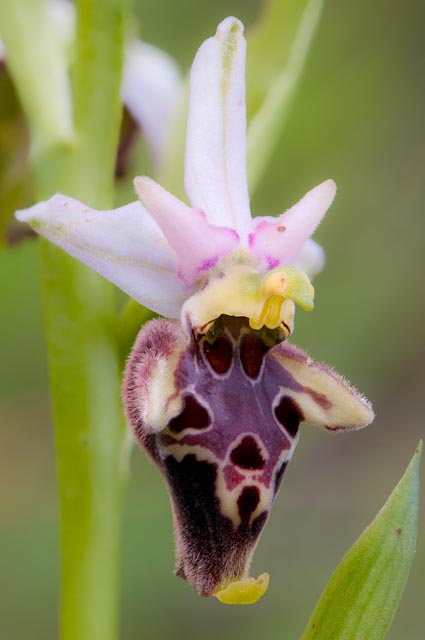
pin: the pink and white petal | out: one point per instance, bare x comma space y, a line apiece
279, 240
318, 394
215, 164
311, 258
198, 244
151, 90
124, 245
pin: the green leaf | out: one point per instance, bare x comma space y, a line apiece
276, 55
361, 598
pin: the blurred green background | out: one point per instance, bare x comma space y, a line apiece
357, 117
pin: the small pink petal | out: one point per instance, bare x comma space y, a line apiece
281, 239
124, 245
215, 164
197, 244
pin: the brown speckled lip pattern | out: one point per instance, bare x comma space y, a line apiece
223, 456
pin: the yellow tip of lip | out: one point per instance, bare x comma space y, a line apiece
246, 591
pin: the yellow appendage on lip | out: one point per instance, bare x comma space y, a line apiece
266, 299
278, 287
246, 591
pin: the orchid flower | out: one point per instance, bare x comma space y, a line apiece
214, 394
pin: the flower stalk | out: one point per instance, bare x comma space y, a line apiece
79, 308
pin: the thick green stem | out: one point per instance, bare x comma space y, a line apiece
79, 306
82, 342
81, 324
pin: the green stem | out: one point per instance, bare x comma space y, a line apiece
79, 306
80, 326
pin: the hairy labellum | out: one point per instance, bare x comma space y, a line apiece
219, 413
